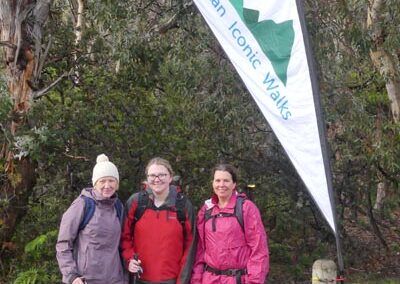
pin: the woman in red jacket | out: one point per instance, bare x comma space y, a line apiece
158, 244
228, 253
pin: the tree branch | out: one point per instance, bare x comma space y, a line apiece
171, 23
42, 92
76, 157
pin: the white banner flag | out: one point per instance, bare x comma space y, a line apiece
264, 41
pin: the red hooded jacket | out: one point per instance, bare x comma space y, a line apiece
157, 238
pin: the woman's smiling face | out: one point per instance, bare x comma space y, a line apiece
158, 178
223, 185
106, 186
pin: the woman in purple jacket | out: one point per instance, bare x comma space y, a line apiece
228, 253
88, 251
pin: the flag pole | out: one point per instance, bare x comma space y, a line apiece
322, 132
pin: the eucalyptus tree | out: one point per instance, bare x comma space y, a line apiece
36, 57
356, 44
382, 23
23, 55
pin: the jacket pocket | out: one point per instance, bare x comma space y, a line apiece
82, 260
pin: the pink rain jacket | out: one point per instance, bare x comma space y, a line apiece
229, 247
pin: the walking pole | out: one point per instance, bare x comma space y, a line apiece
133, 277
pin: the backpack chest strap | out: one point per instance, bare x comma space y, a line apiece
219, 215
238, 213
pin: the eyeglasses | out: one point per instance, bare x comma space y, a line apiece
159, 176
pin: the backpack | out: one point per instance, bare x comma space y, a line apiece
144, 203
90, 206
238, 213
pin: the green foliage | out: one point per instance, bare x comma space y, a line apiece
38, 261
27, 277
361, 130
5, 105
135, 92
280, 252
31, 143
32, 276
35, 247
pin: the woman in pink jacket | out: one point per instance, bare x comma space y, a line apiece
230, 250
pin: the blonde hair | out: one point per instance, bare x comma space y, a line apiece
161, 162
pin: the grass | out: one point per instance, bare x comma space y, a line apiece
366, 281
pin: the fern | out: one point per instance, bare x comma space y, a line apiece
37, 244
32, 276
27, 277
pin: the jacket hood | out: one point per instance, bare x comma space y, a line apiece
92, 193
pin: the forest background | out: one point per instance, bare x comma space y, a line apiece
143, 78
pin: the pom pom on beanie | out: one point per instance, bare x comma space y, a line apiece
104, 168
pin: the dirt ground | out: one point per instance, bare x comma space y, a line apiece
371, 256
371, 253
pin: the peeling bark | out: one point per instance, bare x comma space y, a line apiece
384, 61
21, 23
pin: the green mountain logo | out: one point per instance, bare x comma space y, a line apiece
275, 40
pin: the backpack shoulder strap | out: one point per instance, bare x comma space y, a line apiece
90, 206
143, 202
180, 203
180, 207
118, 207
239, 210
207, 214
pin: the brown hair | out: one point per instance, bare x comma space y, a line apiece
226, 168
161, 162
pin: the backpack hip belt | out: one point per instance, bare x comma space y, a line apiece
227, 272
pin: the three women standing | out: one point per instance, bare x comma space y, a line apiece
158, 239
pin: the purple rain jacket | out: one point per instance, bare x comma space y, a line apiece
93, 252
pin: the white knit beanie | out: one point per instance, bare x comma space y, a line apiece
104, 168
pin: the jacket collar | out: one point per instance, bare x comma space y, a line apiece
214, 201
170, 200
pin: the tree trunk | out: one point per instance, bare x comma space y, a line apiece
380, 196
21, 23
374, 224
383, 60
